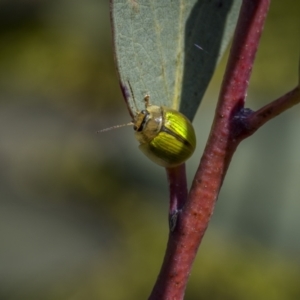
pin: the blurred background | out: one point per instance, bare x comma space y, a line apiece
84, 216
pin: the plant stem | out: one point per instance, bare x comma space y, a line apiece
273, 109
178, 192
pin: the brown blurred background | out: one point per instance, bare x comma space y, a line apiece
84, 216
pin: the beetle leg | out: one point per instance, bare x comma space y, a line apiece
147, 100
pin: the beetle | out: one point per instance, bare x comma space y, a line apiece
166, 136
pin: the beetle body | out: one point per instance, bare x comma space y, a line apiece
165, 135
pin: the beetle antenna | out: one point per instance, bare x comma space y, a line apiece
115, 127
131, 90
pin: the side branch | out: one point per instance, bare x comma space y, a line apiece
273, 109
178, 192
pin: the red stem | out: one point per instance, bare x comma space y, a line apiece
177, 187
178, 193
273, 109
193, 220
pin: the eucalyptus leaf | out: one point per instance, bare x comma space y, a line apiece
158, 49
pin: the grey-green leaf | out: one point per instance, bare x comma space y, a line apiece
158, 49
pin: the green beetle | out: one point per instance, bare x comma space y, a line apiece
165, 135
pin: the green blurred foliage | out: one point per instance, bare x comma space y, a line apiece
58, 86
57, 54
